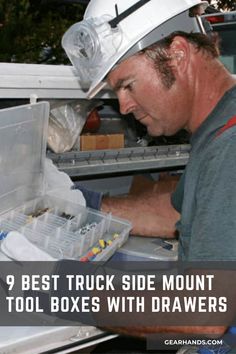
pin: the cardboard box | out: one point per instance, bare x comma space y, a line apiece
101, 141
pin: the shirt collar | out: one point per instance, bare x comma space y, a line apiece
216, 119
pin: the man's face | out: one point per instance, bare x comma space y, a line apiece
140, 91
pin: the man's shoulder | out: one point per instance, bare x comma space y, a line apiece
223, 139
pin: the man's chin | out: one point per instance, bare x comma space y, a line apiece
157, 133
153, 132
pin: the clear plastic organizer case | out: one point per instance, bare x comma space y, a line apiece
67, 231
60, 228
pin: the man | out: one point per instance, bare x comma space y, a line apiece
165, 70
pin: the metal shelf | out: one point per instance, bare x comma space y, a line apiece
88, 163
37, 81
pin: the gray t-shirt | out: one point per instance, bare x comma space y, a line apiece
206, 193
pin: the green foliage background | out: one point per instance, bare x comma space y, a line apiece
226, 4
31, 30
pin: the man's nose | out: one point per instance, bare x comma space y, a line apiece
127, 105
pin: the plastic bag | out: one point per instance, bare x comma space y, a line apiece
59, 184
66, 121
16, 246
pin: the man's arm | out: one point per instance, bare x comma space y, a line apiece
150, 212
202, 322
186, 331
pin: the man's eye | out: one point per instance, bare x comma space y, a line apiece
129, 86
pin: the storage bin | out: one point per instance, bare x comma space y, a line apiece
63, 229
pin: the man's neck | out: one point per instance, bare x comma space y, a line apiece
209, 87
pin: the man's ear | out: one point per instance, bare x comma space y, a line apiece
180, 54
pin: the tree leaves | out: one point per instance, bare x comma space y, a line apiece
225, 5
31, 31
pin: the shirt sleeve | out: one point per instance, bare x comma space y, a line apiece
93, 198
178, 194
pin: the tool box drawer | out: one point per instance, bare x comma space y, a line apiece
66, 230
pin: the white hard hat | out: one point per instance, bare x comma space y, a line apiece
113, 30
